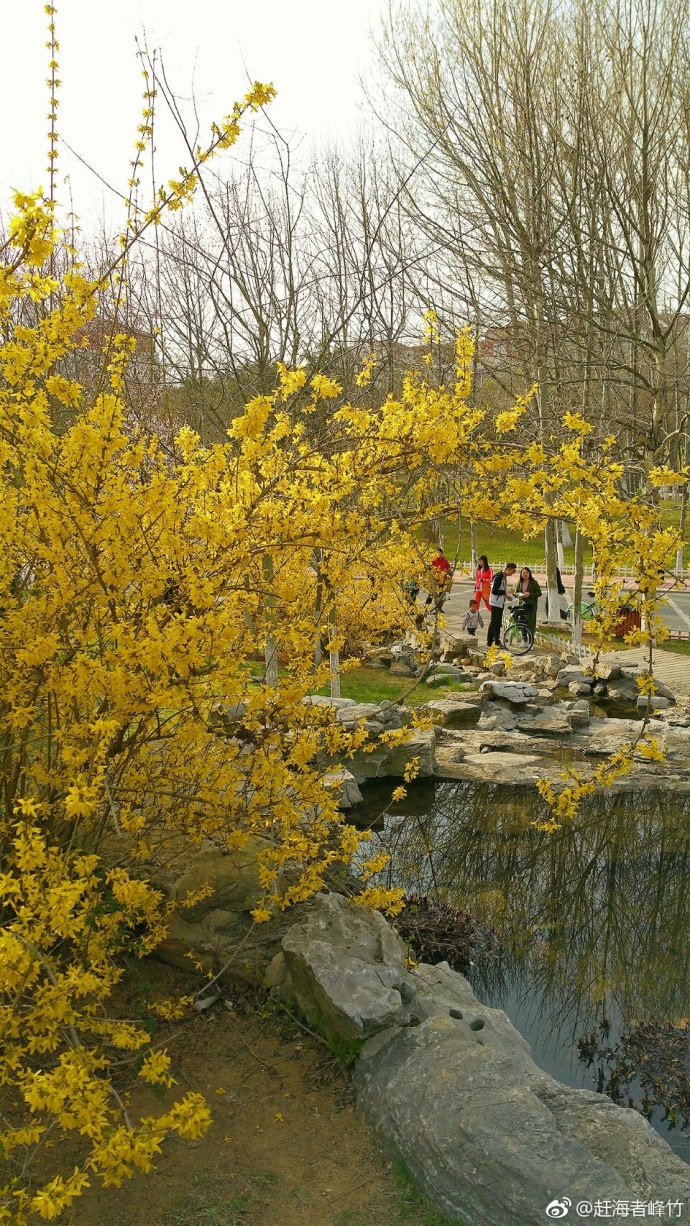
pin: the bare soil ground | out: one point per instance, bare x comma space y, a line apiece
285, 1145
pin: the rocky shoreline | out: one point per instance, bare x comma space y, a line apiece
518, 725
450, 1086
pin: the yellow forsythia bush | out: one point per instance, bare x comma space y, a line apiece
136, 587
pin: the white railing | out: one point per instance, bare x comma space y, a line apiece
625, 572
583, 652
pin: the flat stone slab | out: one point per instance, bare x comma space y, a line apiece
356, 711
495, 760
321, 700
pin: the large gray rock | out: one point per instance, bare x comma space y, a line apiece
490, 1137
578, 713
496, 718
552, 721
233, 878
452, 1090
356, 711
363, 766
420, 744
535, 668
345, 970
343, 783
663, 690
608, 672
574, 672
624, 690
400, 669
656, 702
515, 692
456, 644
452, 713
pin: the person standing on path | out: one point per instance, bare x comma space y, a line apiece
497, 601
442, 572
529, 591
482, 582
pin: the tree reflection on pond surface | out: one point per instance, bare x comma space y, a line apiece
594, 919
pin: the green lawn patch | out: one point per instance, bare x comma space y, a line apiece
503, 544
676, 646
376, 684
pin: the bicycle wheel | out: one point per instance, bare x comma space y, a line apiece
518, 639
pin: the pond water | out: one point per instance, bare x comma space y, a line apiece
594, 921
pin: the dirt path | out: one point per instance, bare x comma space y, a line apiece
285, 1145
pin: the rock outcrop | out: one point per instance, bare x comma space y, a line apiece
517, 693
489, 1135
345, 970
452, 712
451, 1088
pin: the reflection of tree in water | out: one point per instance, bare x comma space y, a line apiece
593, 919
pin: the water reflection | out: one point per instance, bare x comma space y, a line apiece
594, 919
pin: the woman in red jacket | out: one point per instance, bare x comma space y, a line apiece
482, 582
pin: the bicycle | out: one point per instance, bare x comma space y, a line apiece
588, 609
517, 638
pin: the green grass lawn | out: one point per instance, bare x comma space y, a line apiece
676, 646
502, 544
376, 684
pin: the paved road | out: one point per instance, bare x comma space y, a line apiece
675, 612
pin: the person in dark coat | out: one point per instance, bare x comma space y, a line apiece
529, 592
497, 601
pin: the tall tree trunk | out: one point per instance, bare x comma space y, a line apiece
577, 589
473, 547
683, 514
560, 552
318, 608
554, 614
334, 654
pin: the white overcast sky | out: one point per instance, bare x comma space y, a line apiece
314, 52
